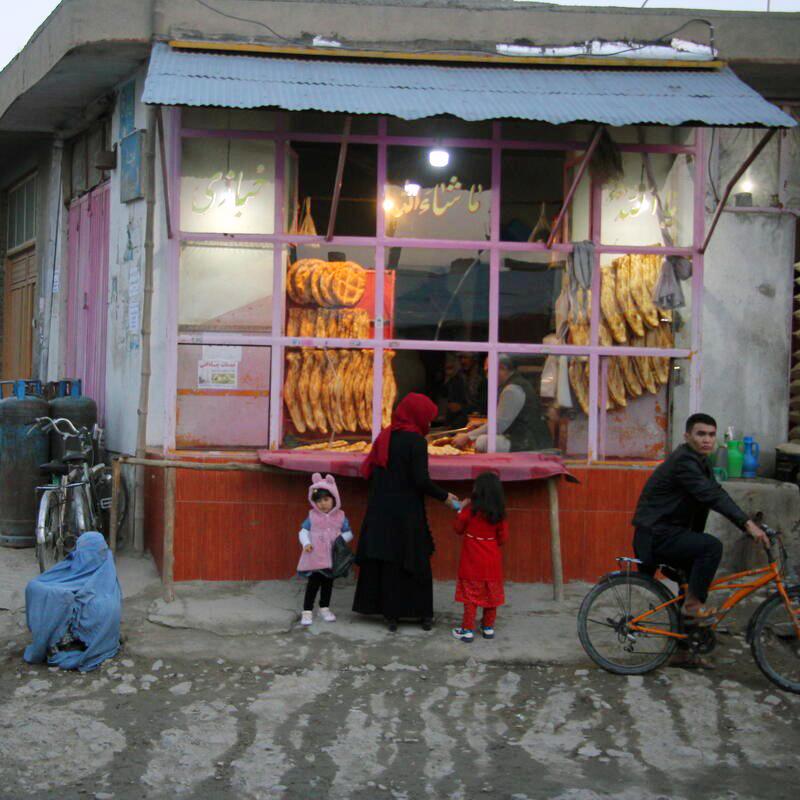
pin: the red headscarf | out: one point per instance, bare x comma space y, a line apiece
414, 412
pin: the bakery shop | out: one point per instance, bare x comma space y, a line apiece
524, 242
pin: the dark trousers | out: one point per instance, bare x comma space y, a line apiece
696, 554
317, 582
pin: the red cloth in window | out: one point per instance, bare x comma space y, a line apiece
481, 559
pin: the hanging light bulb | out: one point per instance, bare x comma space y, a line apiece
438, 157
388, 205
747, 185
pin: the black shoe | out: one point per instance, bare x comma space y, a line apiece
392, 623
427, 624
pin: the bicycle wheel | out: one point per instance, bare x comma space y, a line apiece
603, 624
774, 642
49, 541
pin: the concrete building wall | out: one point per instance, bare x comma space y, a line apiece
125, 303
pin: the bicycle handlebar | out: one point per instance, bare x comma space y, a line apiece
46, 424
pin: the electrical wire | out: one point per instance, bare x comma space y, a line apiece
708, 165
243, 19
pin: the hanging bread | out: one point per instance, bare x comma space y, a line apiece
293, 322
624, 299
302, 392
642, 298
608, 305
616, 383
290, 396
633, 385
660, 363
579, 382
389, 388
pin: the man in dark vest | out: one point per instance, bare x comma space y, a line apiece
672, 511
520, 423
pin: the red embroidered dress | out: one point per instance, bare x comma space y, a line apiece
480, 569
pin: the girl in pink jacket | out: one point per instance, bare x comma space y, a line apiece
323, 525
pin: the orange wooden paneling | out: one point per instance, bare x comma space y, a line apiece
243, 525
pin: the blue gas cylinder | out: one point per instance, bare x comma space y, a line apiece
21, 454
751, 453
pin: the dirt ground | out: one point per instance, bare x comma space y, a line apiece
217, 710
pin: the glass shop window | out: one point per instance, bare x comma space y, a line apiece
439, 295
227, 119
330, 292
312, 172
225, 287
227, 186
759, 186
223, 396
651, 202
533, 187
327, 397
645, 301
438, 192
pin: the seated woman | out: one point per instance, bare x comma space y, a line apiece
73, 610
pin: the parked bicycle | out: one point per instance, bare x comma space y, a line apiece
79, 496
630, 623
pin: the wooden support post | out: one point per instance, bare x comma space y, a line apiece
167, 577
555, 541
116, 476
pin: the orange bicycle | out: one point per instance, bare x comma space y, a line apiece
629, 623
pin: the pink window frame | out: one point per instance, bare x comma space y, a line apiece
496, 145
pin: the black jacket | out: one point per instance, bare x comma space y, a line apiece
681, 492
395, 527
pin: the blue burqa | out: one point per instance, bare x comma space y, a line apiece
80, 596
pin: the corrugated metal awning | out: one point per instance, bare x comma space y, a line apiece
414, 91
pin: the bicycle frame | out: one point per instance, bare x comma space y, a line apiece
735, 581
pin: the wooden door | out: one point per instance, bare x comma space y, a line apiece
87, 308
18, 309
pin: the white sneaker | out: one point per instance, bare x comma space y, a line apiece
327, 615
306, 618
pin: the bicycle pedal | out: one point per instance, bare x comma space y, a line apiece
726, 631
105, 503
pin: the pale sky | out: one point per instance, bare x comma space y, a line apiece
18, 25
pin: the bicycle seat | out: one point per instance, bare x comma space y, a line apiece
74, 456
55, 468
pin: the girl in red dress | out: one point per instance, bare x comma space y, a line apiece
482, 523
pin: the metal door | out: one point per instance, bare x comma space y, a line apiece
87, 310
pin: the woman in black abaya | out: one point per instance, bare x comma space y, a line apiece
395, 546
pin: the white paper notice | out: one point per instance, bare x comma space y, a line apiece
222, 352
134, 317
217, 374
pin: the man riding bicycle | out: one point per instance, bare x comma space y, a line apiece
672, 511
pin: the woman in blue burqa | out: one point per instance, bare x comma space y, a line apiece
73, 610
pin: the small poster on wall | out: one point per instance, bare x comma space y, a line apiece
130, 186
217, 374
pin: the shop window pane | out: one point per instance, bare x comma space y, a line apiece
530, 284
440, 128
527, 421
19, 226
228, 186
223, 396
322, 122
759, 185
532, 192
330, 292
455, 381
635, 426
452, 201
30, 210
327, 396
316, 166
226, 287
439, 294
228, 119
634, 214
631, 314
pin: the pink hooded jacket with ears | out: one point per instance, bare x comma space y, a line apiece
324, 527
